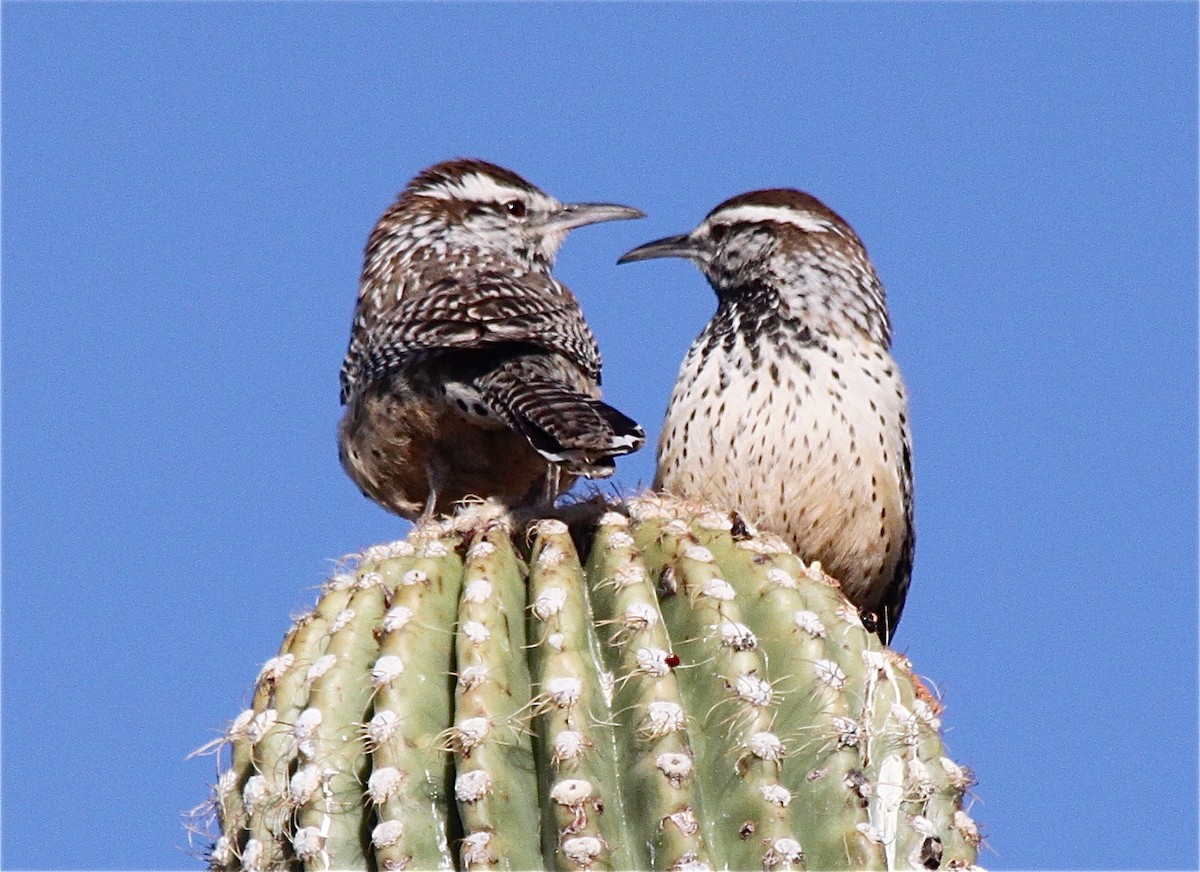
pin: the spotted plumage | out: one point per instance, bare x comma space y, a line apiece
471, 370
789, 407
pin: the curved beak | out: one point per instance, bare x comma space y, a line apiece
672, 246
573, 215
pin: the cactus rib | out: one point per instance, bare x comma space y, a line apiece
650, 687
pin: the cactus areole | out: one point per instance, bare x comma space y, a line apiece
687, 696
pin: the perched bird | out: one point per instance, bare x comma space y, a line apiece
471, 371
789, 407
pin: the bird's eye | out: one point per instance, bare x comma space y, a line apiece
718, 231
515, 208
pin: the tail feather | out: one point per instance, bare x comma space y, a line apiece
562, 424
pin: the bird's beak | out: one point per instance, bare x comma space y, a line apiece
673, 246
573, 215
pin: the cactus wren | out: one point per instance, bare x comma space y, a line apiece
788, 406
471, 371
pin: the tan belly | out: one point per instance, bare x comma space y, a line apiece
805, 460
397, 451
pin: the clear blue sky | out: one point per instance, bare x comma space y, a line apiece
186, 192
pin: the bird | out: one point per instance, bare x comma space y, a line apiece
471, 371
789, 407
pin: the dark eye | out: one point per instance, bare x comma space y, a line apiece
515, 208
718, 231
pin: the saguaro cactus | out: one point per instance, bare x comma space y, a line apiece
689, 696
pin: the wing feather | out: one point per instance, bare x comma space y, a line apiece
463, 312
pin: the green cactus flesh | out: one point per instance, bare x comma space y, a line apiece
478, 697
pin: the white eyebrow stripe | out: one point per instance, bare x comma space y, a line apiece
475, 188
751, 214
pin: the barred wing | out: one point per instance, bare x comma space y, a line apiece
457, 313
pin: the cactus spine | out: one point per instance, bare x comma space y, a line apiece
682, 698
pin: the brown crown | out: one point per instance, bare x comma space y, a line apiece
786, 197
448, 171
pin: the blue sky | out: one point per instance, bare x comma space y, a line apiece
186, 192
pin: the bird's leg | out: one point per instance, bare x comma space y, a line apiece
551, 481
436, 472
542, 493
430, 504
